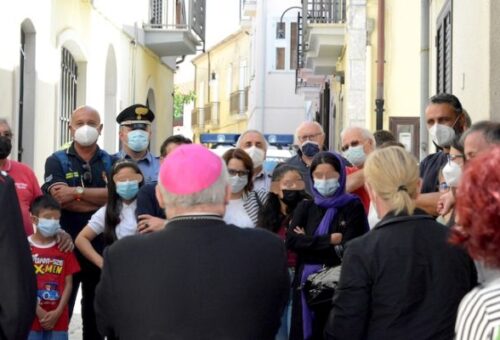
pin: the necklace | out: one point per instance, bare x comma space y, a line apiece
195, 217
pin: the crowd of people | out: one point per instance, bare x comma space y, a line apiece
190, 245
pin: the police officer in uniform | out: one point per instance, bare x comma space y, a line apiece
135, 135
76, 178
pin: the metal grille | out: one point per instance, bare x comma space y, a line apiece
325, 11
69, 83
156, 12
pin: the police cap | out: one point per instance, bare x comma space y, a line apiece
136, 113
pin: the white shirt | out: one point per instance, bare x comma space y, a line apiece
127, 225
237, 215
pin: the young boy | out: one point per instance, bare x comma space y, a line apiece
53, 269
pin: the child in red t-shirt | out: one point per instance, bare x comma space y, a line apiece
54, 272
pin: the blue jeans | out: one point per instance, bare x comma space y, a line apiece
48, 335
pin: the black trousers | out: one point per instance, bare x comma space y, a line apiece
88, 277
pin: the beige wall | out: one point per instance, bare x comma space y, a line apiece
471, 56
227, 54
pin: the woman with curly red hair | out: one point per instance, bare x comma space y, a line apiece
478, 216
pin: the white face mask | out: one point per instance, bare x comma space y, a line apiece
86, 135
237, 183
257, 156
442, 135
452, 172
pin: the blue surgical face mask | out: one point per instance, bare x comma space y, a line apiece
138, 140
48, 227
355, 155
127, 190
309, 149
326, 187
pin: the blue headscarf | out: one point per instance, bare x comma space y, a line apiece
331, 203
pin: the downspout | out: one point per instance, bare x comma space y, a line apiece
262, 89
424, 75
379, 101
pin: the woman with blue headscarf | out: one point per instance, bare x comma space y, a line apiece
317, 233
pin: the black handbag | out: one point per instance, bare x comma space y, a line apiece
320, 287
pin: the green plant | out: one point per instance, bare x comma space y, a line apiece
181, 99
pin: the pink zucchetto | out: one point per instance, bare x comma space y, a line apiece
189, 169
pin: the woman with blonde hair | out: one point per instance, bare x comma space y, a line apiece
402, 279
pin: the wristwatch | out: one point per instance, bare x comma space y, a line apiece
78, 193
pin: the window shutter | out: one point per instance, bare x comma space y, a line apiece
444, 70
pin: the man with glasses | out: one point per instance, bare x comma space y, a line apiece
135, 135
76, 177
310, 138
27, 187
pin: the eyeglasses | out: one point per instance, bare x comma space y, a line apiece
309, 137
452, 158
87, 175
346, 147
7, 134
239, 173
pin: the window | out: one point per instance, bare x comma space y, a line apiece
443, 50
69, 82
285, 46
280, 58
281, 30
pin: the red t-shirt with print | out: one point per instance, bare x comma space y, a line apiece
51, 268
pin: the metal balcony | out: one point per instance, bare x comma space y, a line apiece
323, 34
175, 27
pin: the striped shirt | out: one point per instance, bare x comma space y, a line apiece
479, 313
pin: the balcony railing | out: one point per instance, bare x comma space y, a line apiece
178, 15
324, 11
175, 27
239, 102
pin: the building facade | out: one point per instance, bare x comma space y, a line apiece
221, 86
427, 47
61, 54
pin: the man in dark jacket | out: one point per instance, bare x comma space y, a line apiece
18, 282
199, 278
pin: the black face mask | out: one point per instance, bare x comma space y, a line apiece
293, 197
5, 147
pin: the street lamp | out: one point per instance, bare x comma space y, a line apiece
281, 31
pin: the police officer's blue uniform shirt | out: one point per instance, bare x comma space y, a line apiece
149, 165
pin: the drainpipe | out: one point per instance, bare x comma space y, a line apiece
379, 101
424, 75
263, 34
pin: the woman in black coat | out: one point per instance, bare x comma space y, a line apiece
317, 233
402, 280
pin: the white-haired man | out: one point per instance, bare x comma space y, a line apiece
255, 144
199, 278
356, 144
